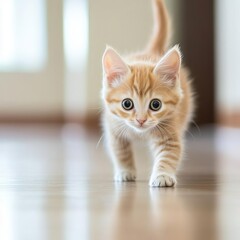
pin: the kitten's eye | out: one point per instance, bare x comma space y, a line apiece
155, 105
127, 104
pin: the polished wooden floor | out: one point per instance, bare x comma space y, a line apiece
56, 183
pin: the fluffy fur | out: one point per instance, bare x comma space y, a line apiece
153, 74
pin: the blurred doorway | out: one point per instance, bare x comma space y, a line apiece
31, 60
198, 48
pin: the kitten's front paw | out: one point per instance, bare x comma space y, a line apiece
125, 176
162, 180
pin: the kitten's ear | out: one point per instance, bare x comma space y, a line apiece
168, 67
114, 67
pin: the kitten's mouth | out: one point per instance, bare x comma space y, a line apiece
141, 128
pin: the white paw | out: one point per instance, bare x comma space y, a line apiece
162, 180
125, 176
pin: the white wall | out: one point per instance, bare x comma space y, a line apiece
39, 93
228, 55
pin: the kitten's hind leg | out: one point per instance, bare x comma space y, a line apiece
122, 158
167, 155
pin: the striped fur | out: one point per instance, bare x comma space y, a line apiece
153, 74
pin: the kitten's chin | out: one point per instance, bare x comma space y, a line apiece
139, 129
142, 129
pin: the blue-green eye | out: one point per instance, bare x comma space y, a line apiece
155, 105
127, 104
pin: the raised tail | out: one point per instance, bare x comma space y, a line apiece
161, 31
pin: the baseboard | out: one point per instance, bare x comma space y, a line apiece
91, 121
231, 119
24, 119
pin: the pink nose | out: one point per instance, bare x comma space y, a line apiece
141, 121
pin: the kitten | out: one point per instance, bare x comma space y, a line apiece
147, 96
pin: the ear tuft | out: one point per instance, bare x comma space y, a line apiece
168, 67
114, 67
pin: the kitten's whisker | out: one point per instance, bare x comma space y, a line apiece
198, 128
160, 131
167, 125
164, 124
120, 130
167, 133
99, 141
191, 121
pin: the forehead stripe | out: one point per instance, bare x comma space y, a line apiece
170, 102
113, 100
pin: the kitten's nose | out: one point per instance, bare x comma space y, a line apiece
141, 121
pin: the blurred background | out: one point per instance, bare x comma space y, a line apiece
50, 55
57, 178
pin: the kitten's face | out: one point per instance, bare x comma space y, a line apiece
139, 95
141, 101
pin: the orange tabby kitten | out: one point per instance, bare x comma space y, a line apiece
147, 96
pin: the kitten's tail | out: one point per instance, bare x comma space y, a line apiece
161, 32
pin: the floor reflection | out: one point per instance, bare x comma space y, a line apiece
170, 215
55, 184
